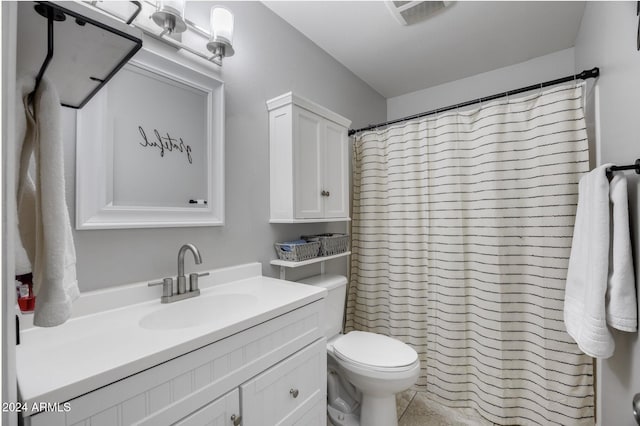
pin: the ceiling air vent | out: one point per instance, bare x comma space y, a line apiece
412, 12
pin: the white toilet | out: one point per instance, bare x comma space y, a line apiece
364, 370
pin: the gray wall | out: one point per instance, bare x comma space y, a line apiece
607, 39
543, 68
271, 58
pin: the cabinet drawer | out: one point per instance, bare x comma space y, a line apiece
217, 413
287, 392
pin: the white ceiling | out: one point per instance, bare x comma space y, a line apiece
462, 40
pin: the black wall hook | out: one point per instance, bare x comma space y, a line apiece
52, 15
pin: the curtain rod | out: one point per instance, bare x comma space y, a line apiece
592, 73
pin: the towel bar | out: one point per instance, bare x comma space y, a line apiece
635, 166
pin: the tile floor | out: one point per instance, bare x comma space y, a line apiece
415, 409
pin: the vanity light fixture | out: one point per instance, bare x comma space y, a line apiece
166, 21
170, 16
220, 42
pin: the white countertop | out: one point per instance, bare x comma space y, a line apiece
60, 363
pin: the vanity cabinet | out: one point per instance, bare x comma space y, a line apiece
309, 161
271, 374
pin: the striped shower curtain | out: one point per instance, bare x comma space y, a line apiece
461, 236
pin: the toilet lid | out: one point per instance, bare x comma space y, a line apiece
374, 350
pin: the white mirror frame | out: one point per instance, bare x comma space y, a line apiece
94, 198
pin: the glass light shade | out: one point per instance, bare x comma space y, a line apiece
175, 7
221, 25
169, 15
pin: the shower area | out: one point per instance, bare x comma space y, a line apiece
461, 237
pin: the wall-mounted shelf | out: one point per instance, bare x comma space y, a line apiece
332, 220
78, 49
283, 264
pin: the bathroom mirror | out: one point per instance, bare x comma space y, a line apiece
150, 149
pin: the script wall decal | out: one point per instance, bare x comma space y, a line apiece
165, 143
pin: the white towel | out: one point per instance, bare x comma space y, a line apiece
589, 294
621, 303
25, 188
43, 218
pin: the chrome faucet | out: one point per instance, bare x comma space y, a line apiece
182, 280
181, 293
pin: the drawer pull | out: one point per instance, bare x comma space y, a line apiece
294, 393
237, 420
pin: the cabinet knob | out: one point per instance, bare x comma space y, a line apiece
237, 420
325, 193
294, 393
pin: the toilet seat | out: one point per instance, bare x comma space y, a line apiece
374, 352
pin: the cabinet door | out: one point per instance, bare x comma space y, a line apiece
336, 171
289, 392
221, 412
316, 416
307, 174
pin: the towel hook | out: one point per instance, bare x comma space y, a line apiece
52, 14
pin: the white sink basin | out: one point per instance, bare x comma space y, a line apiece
197, 311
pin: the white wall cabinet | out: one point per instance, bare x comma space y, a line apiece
240, 380
309, 161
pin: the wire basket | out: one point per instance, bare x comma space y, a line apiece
330, 244
297, 252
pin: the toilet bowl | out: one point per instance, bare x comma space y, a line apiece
365, 370
379, 367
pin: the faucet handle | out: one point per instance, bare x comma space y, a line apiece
193, 280
167, 286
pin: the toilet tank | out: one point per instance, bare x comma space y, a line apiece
336, 285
